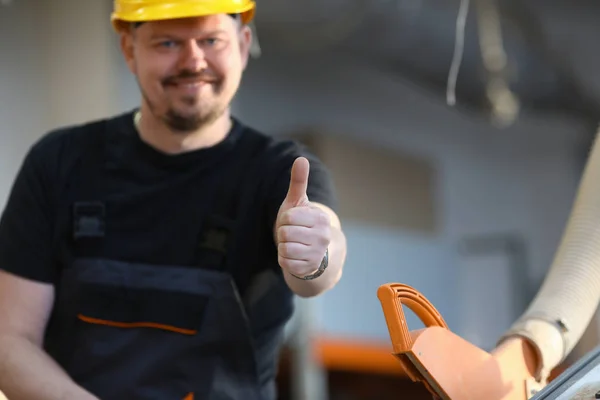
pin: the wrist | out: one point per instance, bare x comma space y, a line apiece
318, 272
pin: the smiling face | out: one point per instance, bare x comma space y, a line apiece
189, 69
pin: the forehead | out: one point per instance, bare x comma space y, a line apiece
192, 26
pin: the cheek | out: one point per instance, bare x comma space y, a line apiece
230, 69
153, 68
151, 77
147, 80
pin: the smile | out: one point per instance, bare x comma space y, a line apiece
190, 87
189, 83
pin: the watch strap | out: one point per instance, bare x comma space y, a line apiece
317, 273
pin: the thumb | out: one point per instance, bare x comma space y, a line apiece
298, 182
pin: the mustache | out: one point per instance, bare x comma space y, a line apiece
186, 75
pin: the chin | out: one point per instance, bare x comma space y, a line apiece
188, 120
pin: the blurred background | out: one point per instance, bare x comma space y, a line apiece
466, 203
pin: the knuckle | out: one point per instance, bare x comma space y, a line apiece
292, 216
325, 235
283, 233
282, 249
324, 218
284, 217
292, 233
282, 262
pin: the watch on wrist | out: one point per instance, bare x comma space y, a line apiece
317, 273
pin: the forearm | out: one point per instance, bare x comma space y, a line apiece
331, 276
27, 372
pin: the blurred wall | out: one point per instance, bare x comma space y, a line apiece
57, 67
62, 66
23, 88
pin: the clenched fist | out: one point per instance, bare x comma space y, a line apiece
303, 230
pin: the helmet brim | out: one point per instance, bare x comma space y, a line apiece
165, 11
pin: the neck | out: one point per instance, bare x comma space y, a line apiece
154, 132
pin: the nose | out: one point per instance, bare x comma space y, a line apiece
193, 57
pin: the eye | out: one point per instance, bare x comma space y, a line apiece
167, 44
210, 42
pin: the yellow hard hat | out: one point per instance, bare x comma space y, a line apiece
154, 10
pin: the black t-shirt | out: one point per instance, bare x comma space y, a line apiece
156, 200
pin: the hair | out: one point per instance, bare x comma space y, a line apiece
135, 25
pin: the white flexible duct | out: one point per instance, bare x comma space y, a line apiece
565, 304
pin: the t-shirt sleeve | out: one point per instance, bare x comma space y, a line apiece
321, 188
26, 223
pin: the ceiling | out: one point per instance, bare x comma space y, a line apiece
552, 47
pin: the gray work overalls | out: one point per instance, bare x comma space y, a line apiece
129, 331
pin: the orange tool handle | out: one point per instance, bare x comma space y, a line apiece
392, 297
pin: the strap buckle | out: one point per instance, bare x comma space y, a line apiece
89, 220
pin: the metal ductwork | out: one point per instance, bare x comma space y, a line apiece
417, 41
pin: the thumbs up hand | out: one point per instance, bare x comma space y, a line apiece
303, 230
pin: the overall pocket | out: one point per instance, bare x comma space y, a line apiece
139, 329
131, 308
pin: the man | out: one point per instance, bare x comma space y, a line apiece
155, 255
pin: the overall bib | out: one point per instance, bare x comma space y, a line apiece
125, 330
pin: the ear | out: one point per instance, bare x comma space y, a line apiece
245, 44
126, 41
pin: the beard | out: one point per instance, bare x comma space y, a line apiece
189, 122
198, 115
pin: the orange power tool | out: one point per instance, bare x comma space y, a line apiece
450, 367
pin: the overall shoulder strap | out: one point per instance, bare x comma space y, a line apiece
87, 213
78, 215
